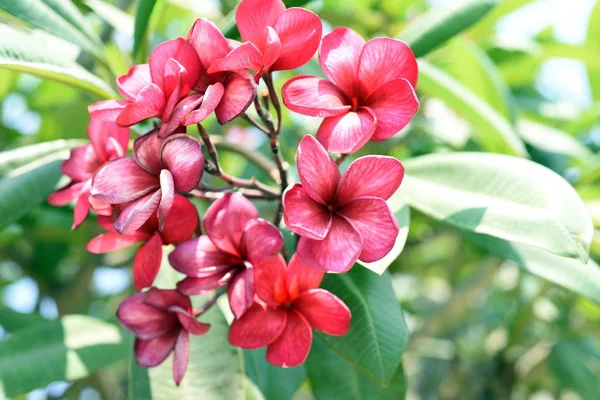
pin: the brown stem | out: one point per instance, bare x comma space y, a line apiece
254, 123
211, 302
249, 193
274, 99
341, 159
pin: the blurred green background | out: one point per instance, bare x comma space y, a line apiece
482, 328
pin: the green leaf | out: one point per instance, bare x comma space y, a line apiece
506, 197
56, 17
64, 350
113, 15
378, 332
42, 55
569, 362
552, 140
333, 378
440, 23
486, 25
19, 157
402, 213
12, 321
142, 19
593, 41
275, 383
491, 130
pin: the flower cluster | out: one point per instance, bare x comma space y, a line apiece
150, 198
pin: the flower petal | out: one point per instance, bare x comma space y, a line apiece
199, 286
246, 56
378, 176
339, 57
209, 42
301, 277
147, 262
225, 220
272, 48
303, 215
337, 253
103, 126
111, 241
182, 156
293, 346
375, 222
122, 181
181, 223
324, 311
394, 104
182, 52
211, 99
65, 195
348, 132
149, 103
189, 323
313, 96
239, 94
181, 112
152, 352
318, 173
81, 164
163, 299
241, 291
253, 17
167, 197
142, 320
82, 208
269, 281
146, 151
299, 31
131, 84
260, 239
181, 356
200, 258
383, 60
137, 213
258, 327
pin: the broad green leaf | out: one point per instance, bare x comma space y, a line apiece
142, 19
440, 23
20, 194
552, 140
378, 332
486, 25
12, 321
402, 213
275, 383
583, 279
70, 13
42, 55
491, 130
570, 362
113, 15
71, 348
593, 41
506, 197
16, 158
53, 16
333, 378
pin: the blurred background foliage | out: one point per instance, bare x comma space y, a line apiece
481, 328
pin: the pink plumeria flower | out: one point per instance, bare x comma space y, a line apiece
108, 142
235, 240
275, 39
292, 306
161, 321
155, 89
369, 95
341, 218
180, 225
148, 182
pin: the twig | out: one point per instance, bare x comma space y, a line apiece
341, 159
211, 302
252, 122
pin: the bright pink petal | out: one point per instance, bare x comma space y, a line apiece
253, 17
152, 352
260, 239
112, 241
324, 311
137, 213
181, 112
209, 42
103, 126
200, 258
131, 84
378, 176
149, 103
241, 292
258, 327
337, 253
303, 215
82, 163
394, 104
82, 208
339, 57
316, 97
269, 281
182, 52
272, 48
199, 286
64, 196
293, 346
189, 323
348, 132
142, 320
300, 33
174, 87
163, 299
146, 152
225, 220
211, 99
318, 173
181, 223
182, 156
301, 277
383, 60
147, 262
246, 56
239, 94
167, 188
122, 181
181, 356
375, 222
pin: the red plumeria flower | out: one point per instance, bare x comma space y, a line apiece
155, 89
108, 142
180, 225
341, 218
148, 182
235, 240
275, 39
292, 307
369, 95
161, 321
